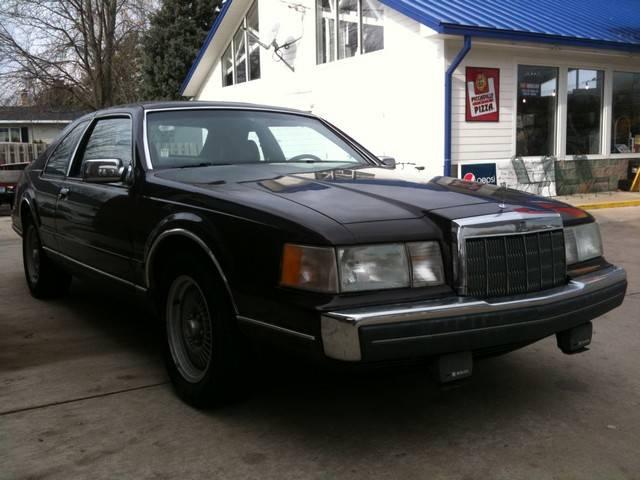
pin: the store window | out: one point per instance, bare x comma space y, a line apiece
584, 111
625, 118
360, 28
241, 60
536, 110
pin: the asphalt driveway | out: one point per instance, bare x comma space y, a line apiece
83, 394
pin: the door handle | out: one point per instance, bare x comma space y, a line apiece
63, 193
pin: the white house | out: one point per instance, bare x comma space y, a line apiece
25, 131
546, 78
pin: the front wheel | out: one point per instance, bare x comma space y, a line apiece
201, 351
44, 278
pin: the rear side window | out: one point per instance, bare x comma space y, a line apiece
61, 156
109, 139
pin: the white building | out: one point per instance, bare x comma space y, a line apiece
567, 84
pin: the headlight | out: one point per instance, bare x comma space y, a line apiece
582, 243
309, 268
373, 267
426, 264
367, 267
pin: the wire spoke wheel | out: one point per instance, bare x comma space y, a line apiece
189, 331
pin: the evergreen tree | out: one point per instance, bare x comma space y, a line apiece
176, 33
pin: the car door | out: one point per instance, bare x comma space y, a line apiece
49, 183
94, 219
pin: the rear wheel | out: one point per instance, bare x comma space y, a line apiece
201, 342
44, 278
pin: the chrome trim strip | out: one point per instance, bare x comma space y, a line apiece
201, 243
340, 336
277, 328
93, 269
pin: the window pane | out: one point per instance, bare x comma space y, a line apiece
235, 137
326, 30
110, 138
227, 67
584, 111
625, 112
536, 111
347, 28
372, 26
241, 56
307, 143
171, 140
15, 135
4, 134
59, 160
254, 48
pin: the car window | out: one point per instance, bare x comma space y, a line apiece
298, 141
110, 138
200, 137
179, 140
59, 159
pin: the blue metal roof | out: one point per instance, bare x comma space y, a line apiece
611, 24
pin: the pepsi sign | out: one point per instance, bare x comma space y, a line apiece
481, 173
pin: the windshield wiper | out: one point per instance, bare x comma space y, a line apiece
203, 164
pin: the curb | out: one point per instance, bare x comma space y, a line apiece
620, 204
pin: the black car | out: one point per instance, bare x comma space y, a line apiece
244, 222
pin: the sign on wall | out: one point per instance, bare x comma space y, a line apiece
480, 172
482, 93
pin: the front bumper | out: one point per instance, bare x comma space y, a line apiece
462, 323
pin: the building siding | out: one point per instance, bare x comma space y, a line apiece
384, 99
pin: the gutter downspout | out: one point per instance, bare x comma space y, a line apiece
447, 102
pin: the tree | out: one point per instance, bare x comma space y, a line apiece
176, 33
87, 46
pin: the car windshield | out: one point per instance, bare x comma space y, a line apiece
209, 137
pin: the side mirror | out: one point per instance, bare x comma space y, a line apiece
104, 170
388, 162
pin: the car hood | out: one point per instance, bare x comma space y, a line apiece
371, 194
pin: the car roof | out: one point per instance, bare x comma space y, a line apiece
203, 104
158, 105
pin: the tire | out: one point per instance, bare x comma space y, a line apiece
200, 339
44, 278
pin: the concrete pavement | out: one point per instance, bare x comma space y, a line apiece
83, 394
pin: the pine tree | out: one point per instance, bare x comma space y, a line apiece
176, 33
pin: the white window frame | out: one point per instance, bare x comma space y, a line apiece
561, 109
232, 46
336, 46
9, 129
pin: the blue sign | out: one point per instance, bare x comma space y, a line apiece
480, 172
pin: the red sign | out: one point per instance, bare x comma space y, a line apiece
482, 91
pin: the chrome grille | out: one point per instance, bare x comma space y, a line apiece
502, 265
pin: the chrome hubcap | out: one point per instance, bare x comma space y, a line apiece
189, 328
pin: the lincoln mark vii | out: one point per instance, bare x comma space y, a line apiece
244, 223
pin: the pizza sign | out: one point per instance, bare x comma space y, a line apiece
482, 92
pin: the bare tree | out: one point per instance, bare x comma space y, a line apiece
89, 46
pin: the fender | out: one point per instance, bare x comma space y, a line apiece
187, 225
31, 205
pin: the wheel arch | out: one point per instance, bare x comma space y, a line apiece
181, 233
26, 207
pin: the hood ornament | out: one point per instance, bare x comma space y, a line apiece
501, 194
